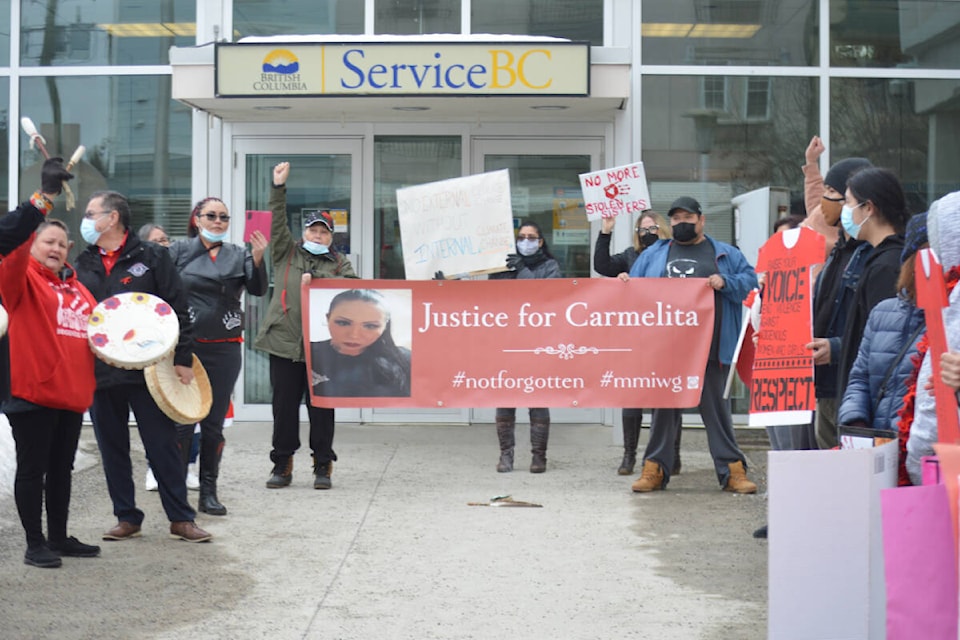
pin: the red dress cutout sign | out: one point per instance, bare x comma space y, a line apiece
782, 390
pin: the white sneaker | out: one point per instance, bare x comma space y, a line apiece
151, 482
193, 481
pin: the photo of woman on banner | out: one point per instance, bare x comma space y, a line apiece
361, 358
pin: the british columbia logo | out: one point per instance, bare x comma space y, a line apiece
280, 72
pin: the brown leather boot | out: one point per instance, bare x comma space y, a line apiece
505, 433
282, 474
651, 478
738, 482
539, 435
631, 436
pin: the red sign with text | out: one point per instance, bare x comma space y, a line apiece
781, 388
504, 343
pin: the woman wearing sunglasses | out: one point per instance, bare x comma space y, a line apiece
215, 274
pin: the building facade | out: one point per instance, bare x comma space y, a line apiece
718, 98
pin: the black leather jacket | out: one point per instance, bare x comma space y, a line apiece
214, 286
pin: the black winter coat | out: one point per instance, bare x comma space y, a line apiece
144, 267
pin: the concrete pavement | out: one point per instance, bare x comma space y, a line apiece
393, 551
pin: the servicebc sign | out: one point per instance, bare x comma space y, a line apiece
399, 68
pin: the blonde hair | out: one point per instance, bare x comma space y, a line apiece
664, 232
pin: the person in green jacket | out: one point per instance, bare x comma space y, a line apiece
281, 336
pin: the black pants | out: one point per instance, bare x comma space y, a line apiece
222, 360
46, 441
110, 413
290, 389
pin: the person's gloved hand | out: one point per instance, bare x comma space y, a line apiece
439, 276
514, 261
53, 175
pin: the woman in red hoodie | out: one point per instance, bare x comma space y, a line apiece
51, 377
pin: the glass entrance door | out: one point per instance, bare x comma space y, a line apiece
328, 180
545, 188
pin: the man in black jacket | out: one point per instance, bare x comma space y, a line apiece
116, 262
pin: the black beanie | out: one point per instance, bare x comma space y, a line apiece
840, 172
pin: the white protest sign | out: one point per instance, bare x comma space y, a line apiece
609, 192
458, 226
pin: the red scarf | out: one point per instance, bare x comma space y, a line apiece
910, 398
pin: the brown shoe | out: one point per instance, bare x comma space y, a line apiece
122, 531
651, 478
738, 482
189, 531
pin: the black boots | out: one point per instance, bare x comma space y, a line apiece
210, 456
631, 436
282, 473
676, 453
505, 433
321, 474
539, 435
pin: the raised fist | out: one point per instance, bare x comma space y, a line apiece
53, 175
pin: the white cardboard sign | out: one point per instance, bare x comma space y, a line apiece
610, 192
458, 226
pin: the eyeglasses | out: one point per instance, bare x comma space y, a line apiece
90, 215
840, 199
213, 217
653, 229
528, 237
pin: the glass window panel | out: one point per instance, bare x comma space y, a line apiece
417, 16
724, 32
404, 161
4, 35
138, 142
895, 33
546, 189
86, 32
573, 19
909, 126
291, 17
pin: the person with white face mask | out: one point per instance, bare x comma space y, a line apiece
874, 211
281, 334
532, 260
215, 274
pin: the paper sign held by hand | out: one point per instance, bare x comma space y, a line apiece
932, 298
618, 190
257, 221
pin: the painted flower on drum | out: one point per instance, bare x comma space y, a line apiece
99, 339
111, 303
95, 319
140, 298
163, 309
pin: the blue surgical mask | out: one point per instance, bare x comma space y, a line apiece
88, 230
213, 237
846, 219
528, 247
316, 248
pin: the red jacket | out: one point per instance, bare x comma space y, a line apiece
51, 364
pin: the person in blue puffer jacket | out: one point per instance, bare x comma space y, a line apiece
878, 380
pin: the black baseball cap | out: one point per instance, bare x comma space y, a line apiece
685, 203
322, 217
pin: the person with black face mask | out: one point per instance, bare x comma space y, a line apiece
693, 254
649, 228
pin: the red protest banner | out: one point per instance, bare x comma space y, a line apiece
490, 343
782, 390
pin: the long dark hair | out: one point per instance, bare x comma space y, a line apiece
390, 364
882, 188
544, 249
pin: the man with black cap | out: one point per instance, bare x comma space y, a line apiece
693, 254
833, 291
296, 260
